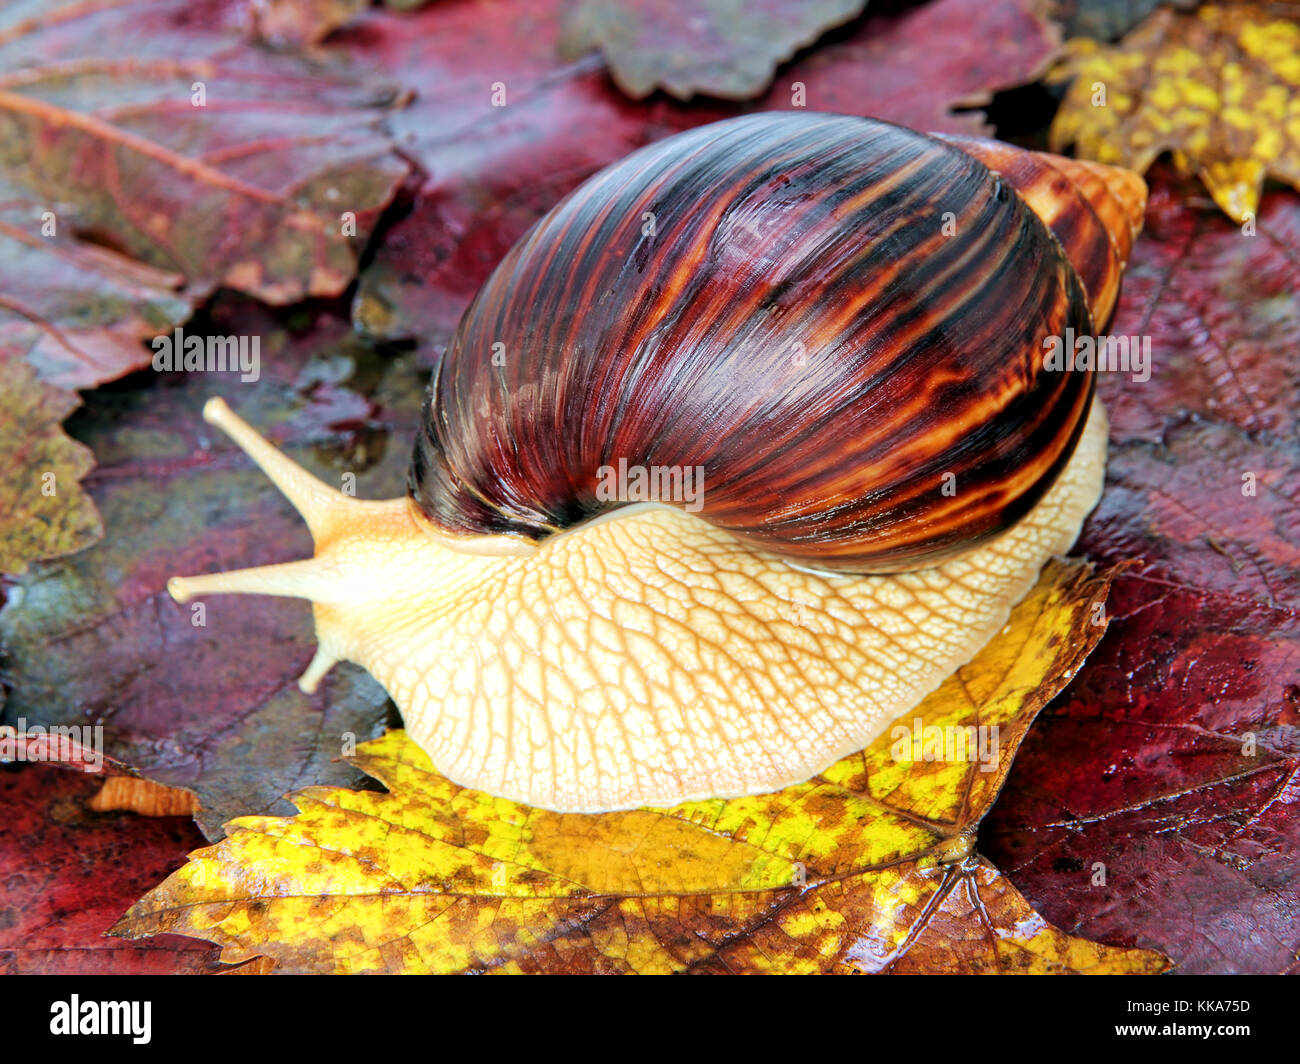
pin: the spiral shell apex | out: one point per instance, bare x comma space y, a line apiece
831, 317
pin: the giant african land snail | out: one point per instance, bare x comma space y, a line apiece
835, 318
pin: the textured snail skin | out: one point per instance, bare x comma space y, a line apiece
654, 655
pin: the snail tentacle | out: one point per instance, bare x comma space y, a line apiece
314, 500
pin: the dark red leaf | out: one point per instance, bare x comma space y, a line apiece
1172, 763
69, 873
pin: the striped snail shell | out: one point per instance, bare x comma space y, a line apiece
825, 313
840, 325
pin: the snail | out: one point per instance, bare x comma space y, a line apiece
839, 324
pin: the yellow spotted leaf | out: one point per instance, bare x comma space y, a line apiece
868, 867
43, 511
1218, 87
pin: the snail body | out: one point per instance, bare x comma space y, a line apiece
840, 325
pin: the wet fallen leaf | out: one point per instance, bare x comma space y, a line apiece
1219, 87
491, 171
77, 310
1220, 308
207, 699
69, 872
927, 67
1173, 760
868, 867
708, 47
142, 127
43, 511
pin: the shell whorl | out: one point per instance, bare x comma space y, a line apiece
825, 313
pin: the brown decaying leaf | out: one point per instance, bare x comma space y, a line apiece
139, 128
868, 867
707, 47
1219, 87
43, 511
256, 966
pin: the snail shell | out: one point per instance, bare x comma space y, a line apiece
835, 319
826, 314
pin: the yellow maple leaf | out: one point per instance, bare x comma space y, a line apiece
868, 867
1218, 87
